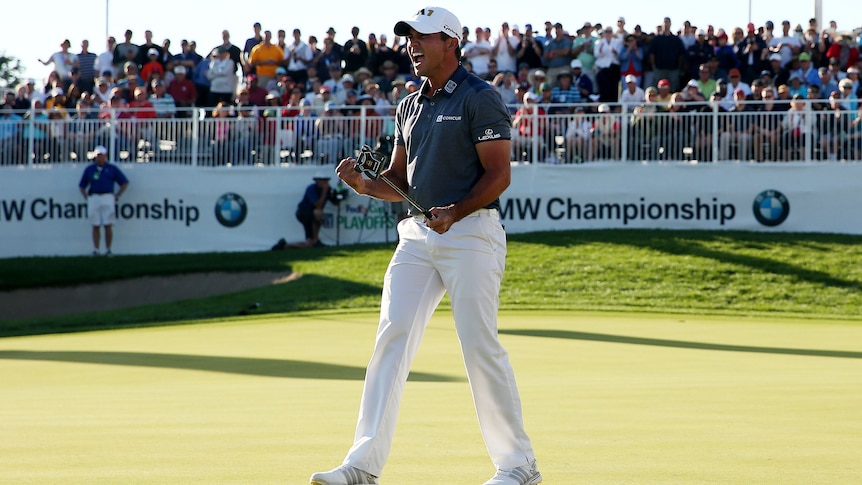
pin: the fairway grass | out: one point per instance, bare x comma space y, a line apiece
609, 398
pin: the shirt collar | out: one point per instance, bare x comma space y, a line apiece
456, 79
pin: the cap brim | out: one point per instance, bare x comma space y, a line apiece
403, 27
423, 25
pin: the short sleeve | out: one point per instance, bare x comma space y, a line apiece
490, 120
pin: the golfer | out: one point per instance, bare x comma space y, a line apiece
97, 186
452, 151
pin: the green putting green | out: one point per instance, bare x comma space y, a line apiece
609, 398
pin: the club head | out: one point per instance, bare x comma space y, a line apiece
370, 162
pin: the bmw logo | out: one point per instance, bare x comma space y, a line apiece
771, 208
230, 209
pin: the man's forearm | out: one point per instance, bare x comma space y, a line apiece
379, 189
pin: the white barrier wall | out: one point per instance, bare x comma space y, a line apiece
170, 209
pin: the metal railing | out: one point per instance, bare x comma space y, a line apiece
701, 132
259, 136
281, 136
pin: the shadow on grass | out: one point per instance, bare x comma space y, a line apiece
295, 369
687, 248
309, 293
620, 339
691, 243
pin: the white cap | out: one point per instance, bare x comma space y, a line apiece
180, 69
604, 108
431, 20
531, 96
576, 63
346, 77
631, 78
100, 150
152, 52
775, 57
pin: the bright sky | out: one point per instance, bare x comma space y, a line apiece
204, 20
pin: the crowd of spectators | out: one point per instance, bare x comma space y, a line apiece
555, 69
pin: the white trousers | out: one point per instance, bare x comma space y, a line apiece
468, 262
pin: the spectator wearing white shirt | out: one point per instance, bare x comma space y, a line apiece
105, 60
505, 50
734, 83
607, 51
632, 95
298, 55
787, 44
478, 53
63, 61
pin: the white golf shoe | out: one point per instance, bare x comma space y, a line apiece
344, 475
525, 475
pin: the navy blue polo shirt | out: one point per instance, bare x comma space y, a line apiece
101, 180
440, 132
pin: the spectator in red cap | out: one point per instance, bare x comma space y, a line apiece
664, 92
734, 83
256, 92
734, 80
724, 52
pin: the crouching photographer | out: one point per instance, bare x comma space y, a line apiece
309, 212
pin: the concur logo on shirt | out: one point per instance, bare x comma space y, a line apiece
442, 118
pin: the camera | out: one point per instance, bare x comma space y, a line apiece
338, 193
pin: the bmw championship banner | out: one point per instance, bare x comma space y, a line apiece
175, 209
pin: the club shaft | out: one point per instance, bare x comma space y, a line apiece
409, 199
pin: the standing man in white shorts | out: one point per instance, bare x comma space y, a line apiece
452, 155
97, 186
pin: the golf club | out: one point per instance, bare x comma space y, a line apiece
371, 164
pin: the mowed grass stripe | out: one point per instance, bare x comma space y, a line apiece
203, 404
687, 272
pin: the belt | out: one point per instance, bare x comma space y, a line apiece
476, 213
